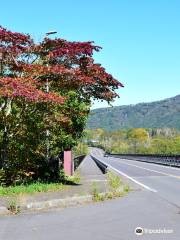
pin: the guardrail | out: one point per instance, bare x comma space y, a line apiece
101, 165
169, 160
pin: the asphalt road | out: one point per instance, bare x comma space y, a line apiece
163, 180
111, 220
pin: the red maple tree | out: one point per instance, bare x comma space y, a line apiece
46, 85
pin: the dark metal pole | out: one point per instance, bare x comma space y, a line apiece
47, 90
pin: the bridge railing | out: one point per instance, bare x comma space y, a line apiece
169, 160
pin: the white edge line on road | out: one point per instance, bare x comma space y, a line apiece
132, 179
151, 170
127, 176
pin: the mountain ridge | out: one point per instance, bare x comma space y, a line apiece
156, 114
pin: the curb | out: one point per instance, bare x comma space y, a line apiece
4, 211
54, 203
66, 202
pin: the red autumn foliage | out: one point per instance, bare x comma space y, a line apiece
61, 48
26, 88
26, 66
13, 43
15, 84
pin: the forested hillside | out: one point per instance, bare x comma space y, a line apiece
160, 114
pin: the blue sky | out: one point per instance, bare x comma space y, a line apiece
140, 38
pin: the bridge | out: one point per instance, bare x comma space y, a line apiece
160, 178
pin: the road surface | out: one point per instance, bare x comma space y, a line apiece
163, 180
155, 209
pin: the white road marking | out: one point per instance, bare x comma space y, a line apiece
157, 165
163, 173
132, 179
127, 176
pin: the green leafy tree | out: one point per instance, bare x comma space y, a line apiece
137, 136
45, 96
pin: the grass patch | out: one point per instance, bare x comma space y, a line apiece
126, 188
114, 181
13, 206
75, 179
96, 196
31, 188
116, 188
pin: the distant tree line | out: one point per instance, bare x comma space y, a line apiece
136, 140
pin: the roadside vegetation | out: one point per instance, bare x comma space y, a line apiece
39, 187
31, 188
115, 188
46, 89
136, 140
80, 149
